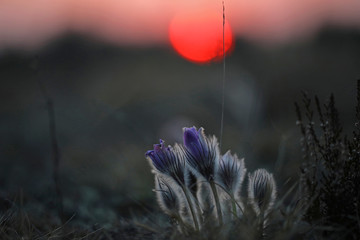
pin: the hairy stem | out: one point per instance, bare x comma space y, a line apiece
181, 223
233, 205
196, 223
217, 202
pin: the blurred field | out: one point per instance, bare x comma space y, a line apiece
111, 105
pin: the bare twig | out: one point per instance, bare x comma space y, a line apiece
55, 150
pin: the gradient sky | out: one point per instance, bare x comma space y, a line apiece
28, 24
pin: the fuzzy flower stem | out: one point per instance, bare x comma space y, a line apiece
186, 192
261, 225
217, 202
233, 205
231, 195
182, 224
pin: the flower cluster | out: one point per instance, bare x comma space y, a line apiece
194, 183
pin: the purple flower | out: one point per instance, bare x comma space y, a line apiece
202, 153
168, 161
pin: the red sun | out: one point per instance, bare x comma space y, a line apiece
198, 36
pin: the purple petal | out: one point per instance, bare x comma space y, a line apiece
159, 147
149, 153
167, 160
202, 152
192, 141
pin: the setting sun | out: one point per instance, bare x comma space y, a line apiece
198, 36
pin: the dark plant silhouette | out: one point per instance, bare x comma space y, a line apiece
330, 174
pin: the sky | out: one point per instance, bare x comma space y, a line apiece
31, 24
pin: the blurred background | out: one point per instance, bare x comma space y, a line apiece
118, 84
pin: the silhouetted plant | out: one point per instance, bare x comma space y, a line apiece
330, 174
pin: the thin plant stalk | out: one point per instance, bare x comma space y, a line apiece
231, 195
198, 208
55, 150
233, 203
196, 223
261, 225
217, 201
224, 77
182, 224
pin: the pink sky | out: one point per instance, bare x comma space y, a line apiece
31, 23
